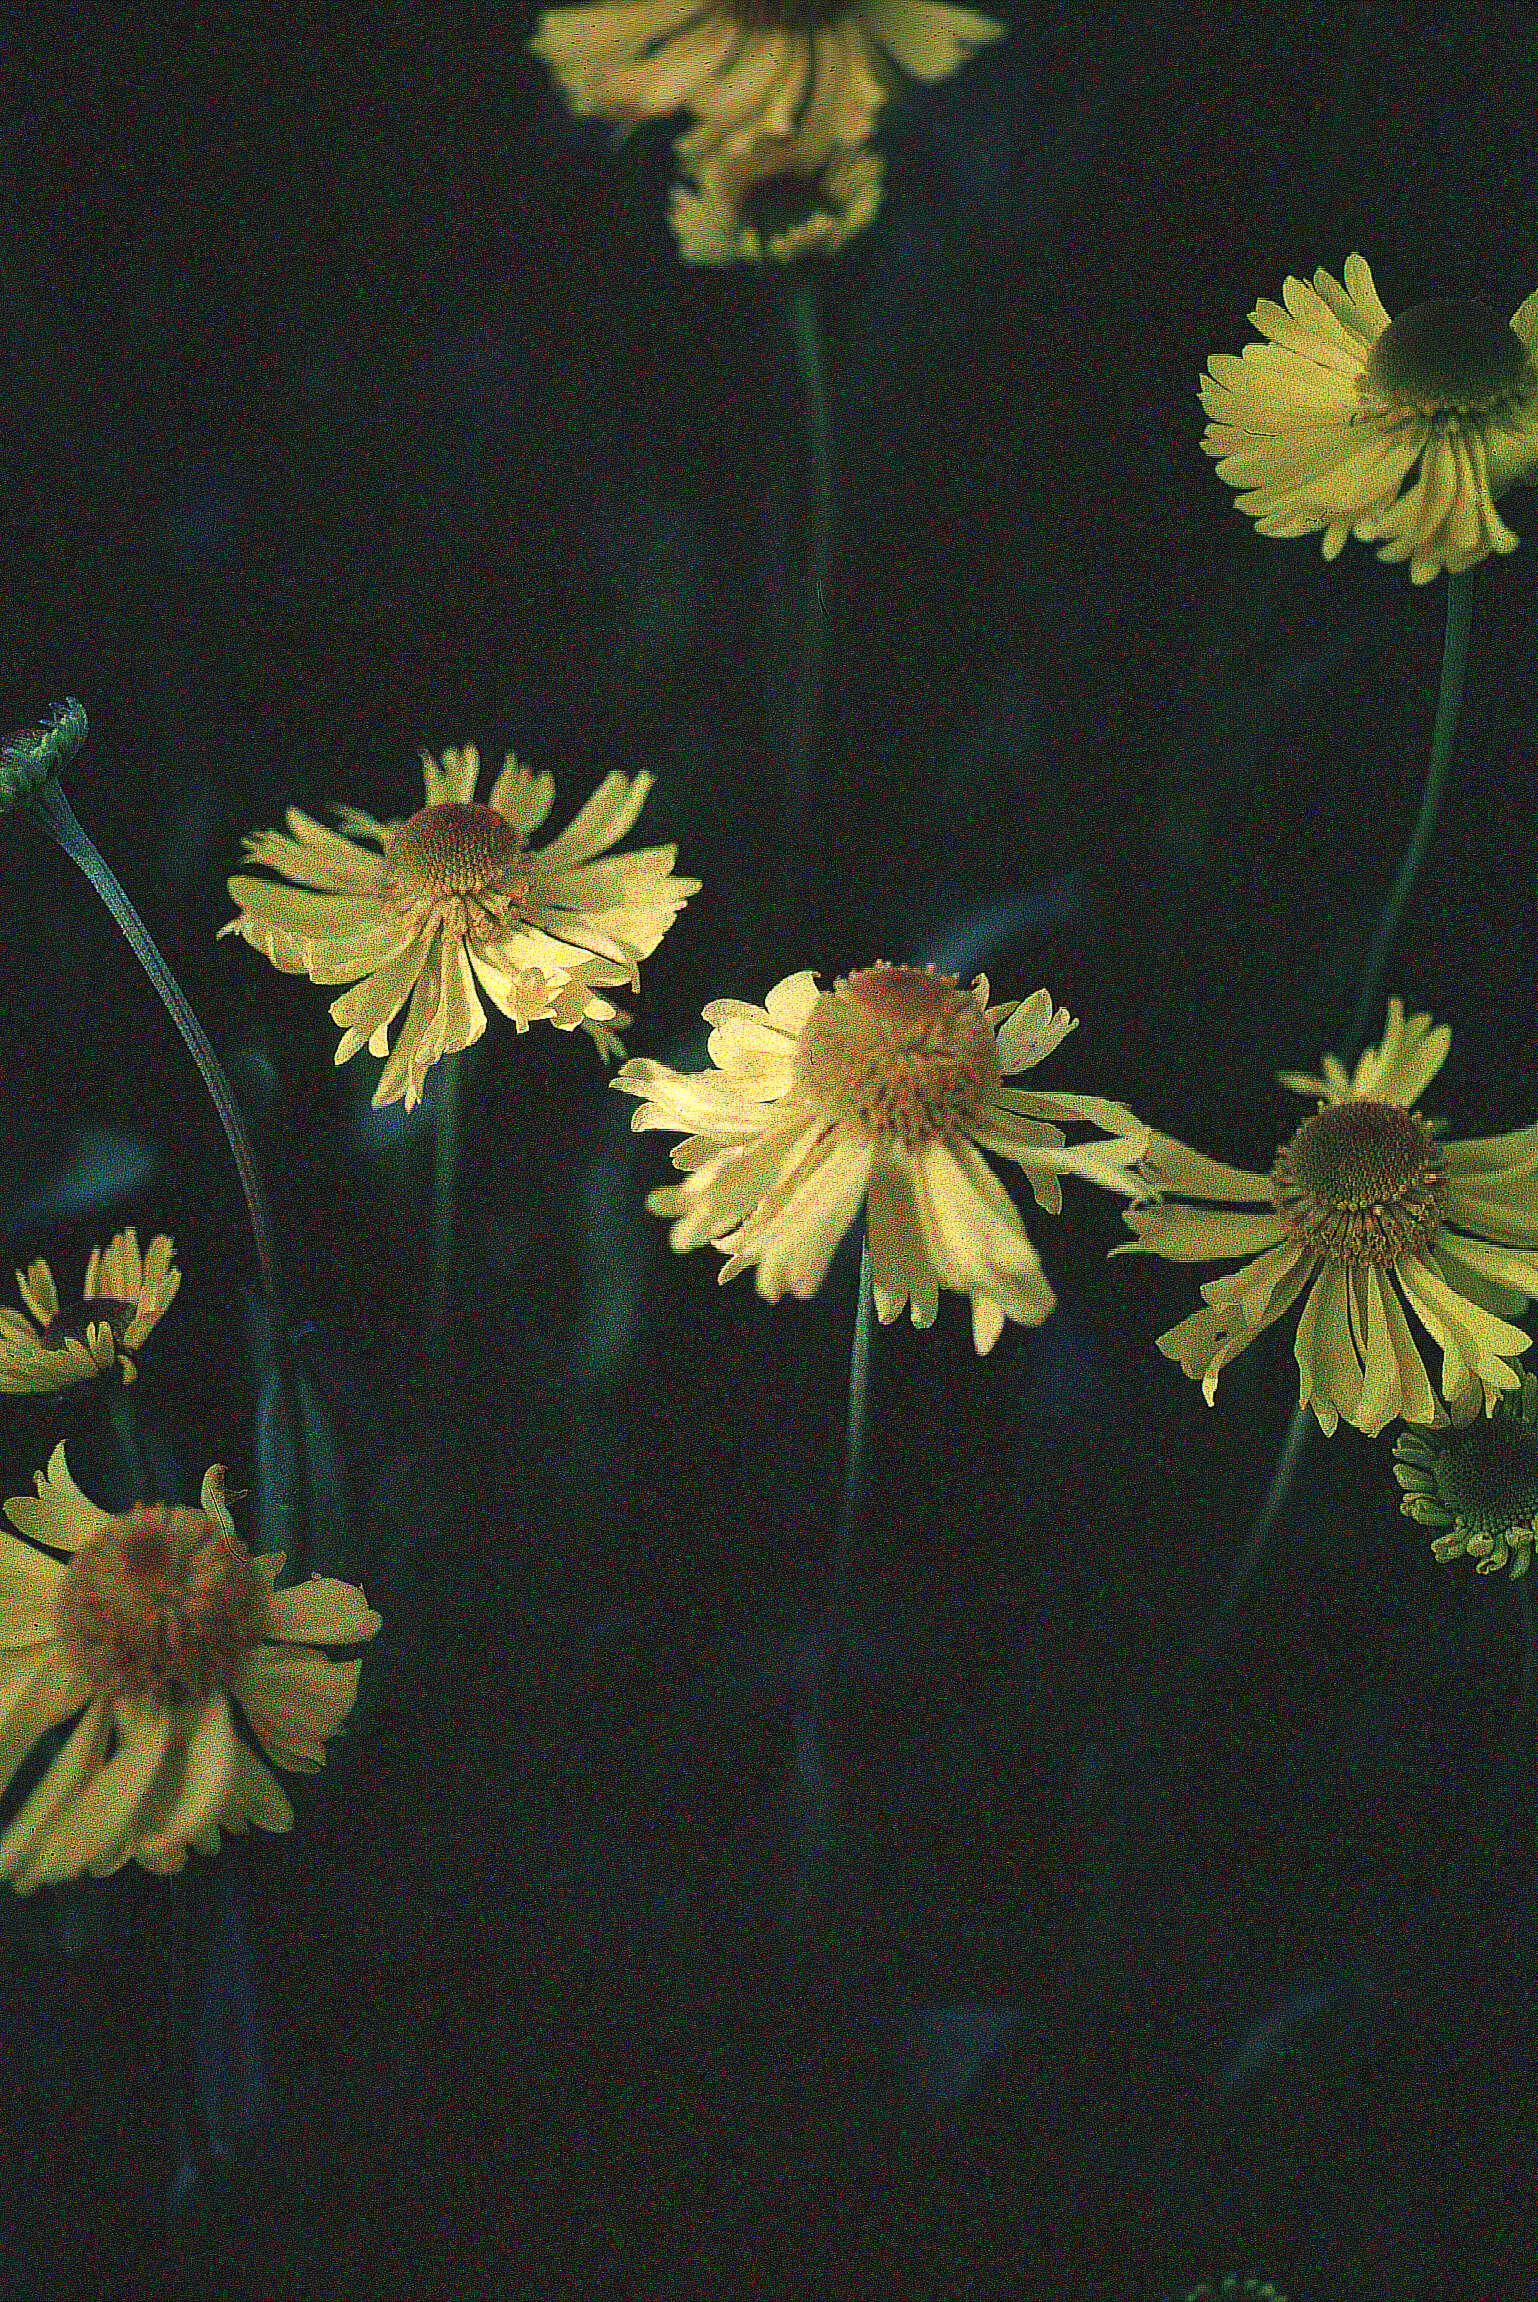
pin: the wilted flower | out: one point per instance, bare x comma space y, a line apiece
30, 755
123, 1297
782, 199
154, 1619
455, 896
883, 1091
1477, 1479
1364, 1205
751, 68
1400, 432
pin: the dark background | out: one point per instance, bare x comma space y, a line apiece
353, 399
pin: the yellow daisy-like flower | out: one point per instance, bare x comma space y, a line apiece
1477, 1480
884, 1091
453, 897
751, 68
1399, 432
123, 1297
154, 1619
783, 199
1365, 1211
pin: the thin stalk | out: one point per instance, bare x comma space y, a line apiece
440, 1221
1455, 653
125, 1425
815, 1800
807, 639
48, 807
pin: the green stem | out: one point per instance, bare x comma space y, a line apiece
48, 807
816, 1803
807, 641
440, 1222
1455, 653
125, 1425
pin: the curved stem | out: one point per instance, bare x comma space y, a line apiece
806, 683
48, 807
1455, 652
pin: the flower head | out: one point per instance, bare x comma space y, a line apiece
147, 1627
123, 1297
31, 755
453, 897
1399, 432
1477, 1480
1366, 1210
884, 1091
784, 198
751, 68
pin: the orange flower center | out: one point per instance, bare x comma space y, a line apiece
160, 1601
1443, 360
1361, 1182
899, 1054
458, 869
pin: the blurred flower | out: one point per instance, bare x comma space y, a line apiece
122, 1299
784, 198
158, 1616
1400, 432
32, 754
1478, 1480
885, 1091
1365, 1193
750, 68
456, 897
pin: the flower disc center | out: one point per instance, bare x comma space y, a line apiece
459, 866
1361, 1182
1450, 357
159, 1601
1488, 1475
898, 1054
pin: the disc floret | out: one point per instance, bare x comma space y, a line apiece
1361, 1182
899, 1054
1476, 1480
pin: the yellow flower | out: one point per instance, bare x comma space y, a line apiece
1399, 432
1478, 1481
1365, 1205
884, 1091
156, 1617
785, 198
750, 68
454, 896
124, 1296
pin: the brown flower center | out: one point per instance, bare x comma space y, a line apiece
160, 1601
1361, 1182
899, 1054
1444, 360
73, 1319
459, 868
787, 15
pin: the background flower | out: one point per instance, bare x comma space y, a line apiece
1363, 1195
883, 1092
1398, 432
157, 1618
750, 68
456, 897
1476, 1480
122, 1298
782, 199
